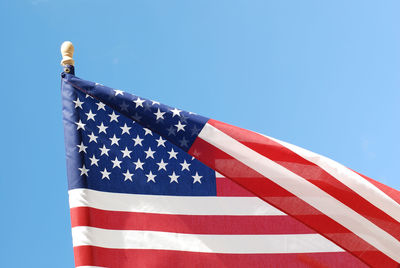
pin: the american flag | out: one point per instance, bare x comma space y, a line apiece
155, 186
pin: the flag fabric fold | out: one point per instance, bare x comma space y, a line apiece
155, 186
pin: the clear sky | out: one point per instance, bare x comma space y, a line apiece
324, 75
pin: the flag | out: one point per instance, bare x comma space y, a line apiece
156, 186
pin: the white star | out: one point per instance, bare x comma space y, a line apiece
93, 161
90, 115
101, 106
147, 107
88, 96
138, 102
195, 131
185, 165
113, 117
196, 153
105, 174
196, 178
80, 125
162, 165
116, 162
138, 140
160, 142
150, 177
154, 102
138, 164
171, 131
176, 112
184, 118
128, 175
84, 170
124, 106
118, 92
180, 126
149, 153
102, 128
125, 129
82, 148
78, 103
183, 142
147, 131
174, 177
172, 154
104, 150
92, 137
159, 114
126, 153
136, 117
114, 140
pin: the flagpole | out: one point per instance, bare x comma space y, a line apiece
67, 52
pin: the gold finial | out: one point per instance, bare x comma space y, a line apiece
67, 52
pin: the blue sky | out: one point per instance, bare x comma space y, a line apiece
321, 75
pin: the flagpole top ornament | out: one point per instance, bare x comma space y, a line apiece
67, 52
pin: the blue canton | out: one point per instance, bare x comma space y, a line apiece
118, 146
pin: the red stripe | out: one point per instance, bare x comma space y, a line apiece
189, 224
227, 187
124, 258
393, 193
288, 203
312, 173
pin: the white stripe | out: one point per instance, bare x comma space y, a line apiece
132, 239
351, 179
184, 205
217, 175
305, 191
